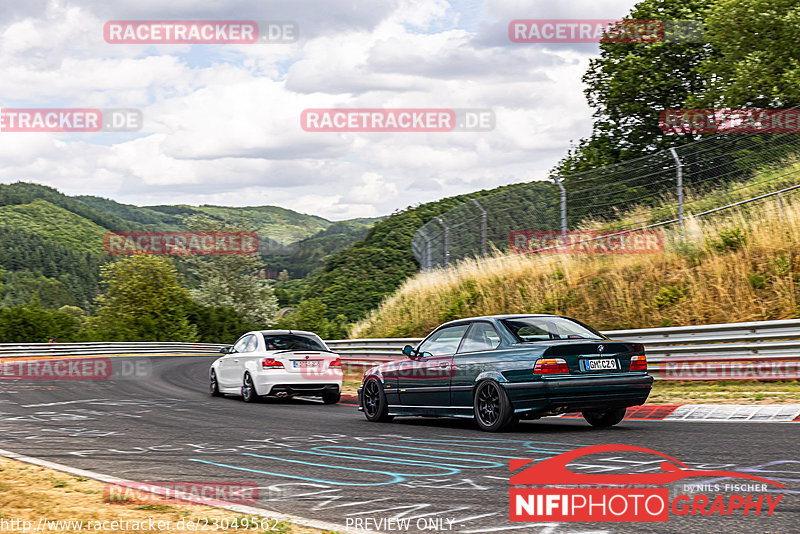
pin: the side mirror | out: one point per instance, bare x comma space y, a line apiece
409, 351
226, 350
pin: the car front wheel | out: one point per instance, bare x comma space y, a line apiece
373, 402
604, 419
213, 385
493, 410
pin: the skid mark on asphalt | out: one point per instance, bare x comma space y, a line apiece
394, 477
767, 470
401, 457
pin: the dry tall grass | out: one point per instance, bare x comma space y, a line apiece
737, 266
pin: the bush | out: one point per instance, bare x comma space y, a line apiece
728, 240
33, 324
668, 295
217, 324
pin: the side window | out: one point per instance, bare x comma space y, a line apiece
482, 336
444, 342
241, 345
252, 344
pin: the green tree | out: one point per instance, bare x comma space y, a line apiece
631, 83
310, 316
216, 324
228, 281
33, 324
757, 60
143, 301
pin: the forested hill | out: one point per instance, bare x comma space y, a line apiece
51, 243
355, 280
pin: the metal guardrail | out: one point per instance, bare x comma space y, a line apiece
762, 350
21, 350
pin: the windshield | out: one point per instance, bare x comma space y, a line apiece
545, 328
293, 342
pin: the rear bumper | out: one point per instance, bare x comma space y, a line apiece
552, 396
276, 381
304, 389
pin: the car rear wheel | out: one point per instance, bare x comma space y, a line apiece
331, 397
492, 408
604, 419
213, 385
248, 389
373, 402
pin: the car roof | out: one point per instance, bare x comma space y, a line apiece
499, 317
286, 332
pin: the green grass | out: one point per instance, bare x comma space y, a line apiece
725, 392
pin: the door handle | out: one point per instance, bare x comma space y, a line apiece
444, 364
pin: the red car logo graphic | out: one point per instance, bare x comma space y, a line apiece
553, 471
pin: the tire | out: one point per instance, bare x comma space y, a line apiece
213, 385
492, 409
604, 419
331, 397
373, 402
248, 389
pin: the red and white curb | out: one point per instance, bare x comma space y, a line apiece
748, 413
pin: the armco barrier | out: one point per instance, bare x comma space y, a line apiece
21, 350
763, 350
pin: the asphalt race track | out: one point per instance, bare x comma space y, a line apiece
329, 463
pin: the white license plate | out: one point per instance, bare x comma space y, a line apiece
600, 365
311, 363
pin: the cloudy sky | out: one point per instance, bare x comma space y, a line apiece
222, 122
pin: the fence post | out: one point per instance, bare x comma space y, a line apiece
563, 205
446, 240
679, 176
428, 263
483, 226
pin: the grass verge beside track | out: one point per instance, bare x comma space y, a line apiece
724, 392
32, 493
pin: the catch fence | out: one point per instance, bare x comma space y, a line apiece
696, 179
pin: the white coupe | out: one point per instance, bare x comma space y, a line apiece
279, 363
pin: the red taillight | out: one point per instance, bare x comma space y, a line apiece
271, 363
550, 366
639, 362
336, 363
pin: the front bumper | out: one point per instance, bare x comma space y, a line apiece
551, 396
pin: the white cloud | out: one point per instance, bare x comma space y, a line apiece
222, 123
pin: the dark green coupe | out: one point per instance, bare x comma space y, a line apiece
502, 368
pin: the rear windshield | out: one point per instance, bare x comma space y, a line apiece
545, 328
293, 342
